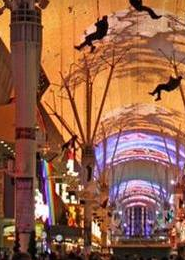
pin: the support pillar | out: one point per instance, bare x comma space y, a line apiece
104, 236
104, 195
1, 232
87, 227
87, 174
2, 172
26, 39
178, 199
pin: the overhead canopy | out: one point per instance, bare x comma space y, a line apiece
145, 48
147, 44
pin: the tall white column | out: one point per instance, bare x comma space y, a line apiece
26, 40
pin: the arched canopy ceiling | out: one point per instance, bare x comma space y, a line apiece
132, 190
149, 172
146, 46
141, 145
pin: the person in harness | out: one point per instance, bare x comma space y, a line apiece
172, 84
101, 31
138, 5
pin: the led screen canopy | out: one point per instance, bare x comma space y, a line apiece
140, 145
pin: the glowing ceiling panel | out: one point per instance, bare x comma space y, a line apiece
141, 145
142, 186
139, 188
136, 204
139, 198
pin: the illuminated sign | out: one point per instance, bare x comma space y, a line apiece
24, 204
96, 231
10, 230
41, 209
75, 215
67, 196
59, 238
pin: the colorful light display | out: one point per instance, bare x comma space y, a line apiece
136, 204
41, 209
140, 188
139, 198
140, 145
75, 216
49, 190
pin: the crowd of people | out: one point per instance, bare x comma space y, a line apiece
91, 256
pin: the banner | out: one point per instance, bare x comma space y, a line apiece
24, 205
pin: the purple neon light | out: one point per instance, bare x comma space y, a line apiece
139, 188
46, 189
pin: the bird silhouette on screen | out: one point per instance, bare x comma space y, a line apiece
138, 5
172, 84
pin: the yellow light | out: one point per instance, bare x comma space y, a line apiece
10, 238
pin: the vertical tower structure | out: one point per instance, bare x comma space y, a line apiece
88, 159
26, 41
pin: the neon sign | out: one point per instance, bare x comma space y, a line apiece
41, 209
